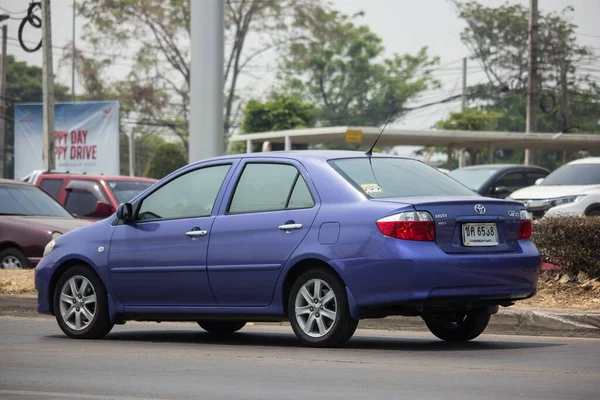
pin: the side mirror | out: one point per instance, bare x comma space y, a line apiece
125, 212
539, 181
501, 190
103, 209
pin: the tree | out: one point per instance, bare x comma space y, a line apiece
470, 119
160, 31
339, 66
168, 157
278, 113
23, 85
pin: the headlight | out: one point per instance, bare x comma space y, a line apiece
566, 200
56, 234
49, 247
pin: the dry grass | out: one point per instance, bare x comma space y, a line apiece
16, 282
551, 293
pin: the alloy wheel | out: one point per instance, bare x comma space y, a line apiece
316, 308
77, 302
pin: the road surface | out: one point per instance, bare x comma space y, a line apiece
180, 361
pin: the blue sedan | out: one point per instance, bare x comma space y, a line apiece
322, 239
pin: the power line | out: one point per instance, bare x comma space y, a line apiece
13, 12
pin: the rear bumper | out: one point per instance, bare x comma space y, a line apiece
421, 275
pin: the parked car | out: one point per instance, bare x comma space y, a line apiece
573, 189
29, 219
498, 180
91, 196
320, 238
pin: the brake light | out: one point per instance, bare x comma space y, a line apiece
414, 225
526, 227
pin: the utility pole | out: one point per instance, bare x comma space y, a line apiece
463, 107
3, 104
73, 58
206, 82
48, 82
532, 98
131, 154
564, 93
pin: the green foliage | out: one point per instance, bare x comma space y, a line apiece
339, 66
278, 113
145, 146
167, 158
571, 243
470, 119
24, 85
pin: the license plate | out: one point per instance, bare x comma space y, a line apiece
480, 235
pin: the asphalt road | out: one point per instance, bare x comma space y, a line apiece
179, 361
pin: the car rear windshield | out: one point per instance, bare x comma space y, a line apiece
575, 174
473, 178
125, 191
382, 177
30, 201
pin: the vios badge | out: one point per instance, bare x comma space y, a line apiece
479, 209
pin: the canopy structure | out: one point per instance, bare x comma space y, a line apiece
451, 139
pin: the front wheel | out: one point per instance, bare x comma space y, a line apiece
221, 327
318, 310
81, 304
459, 328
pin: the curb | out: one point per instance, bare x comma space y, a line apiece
508, 321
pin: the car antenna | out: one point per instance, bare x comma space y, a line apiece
369, 153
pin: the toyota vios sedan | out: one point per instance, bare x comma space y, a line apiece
322, 239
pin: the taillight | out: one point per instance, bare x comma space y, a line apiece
526, 226
414, 225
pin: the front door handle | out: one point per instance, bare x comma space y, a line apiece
196, 233
290, 227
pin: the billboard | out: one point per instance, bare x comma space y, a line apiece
86, 138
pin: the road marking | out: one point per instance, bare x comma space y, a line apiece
59, 395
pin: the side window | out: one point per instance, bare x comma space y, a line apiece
301, 197
188, 196
512, 181
534, 176
52, 187
81, 202
270, 187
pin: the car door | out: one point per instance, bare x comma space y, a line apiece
82, 197
508, 183
270, 210
159, 259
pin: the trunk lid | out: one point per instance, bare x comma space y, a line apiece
452, 213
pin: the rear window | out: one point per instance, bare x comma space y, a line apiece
382, 177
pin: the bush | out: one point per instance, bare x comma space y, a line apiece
571, 243
167, 158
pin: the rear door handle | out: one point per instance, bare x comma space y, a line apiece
290, 227
196, 233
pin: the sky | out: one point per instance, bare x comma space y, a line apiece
404, 26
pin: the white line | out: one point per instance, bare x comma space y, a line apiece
30, 393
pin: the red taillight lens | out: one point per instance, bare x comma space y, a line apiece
416, 225
526, 226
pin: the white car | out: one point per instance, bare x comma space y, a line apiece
573, 189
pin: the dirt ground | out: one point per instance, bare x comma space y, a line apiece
551, 292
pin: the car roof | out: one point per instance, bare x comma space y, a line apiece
502, 167
588, 160
307, 154
13, 182
97, 177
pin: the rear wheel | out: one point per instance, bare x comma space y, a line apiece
12, 258
221, 327
459, 328
81, 304
318, 310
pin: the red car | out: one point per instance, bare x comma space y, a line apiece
91, 196
29, 219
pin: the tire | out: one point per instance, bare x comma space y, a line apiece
330, 322
469, 327
73, 319
12, 258
594, 212
221, 327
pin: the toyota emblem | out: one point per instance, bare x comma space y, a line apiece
479, 209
